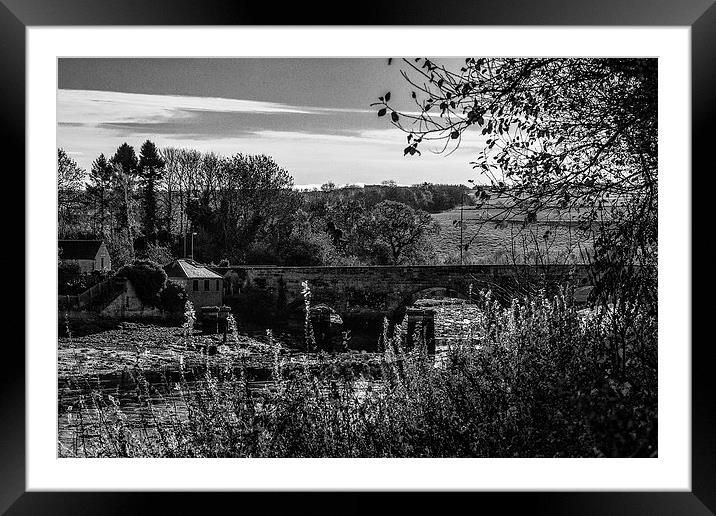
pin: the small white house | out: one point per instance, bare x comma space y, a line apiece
203, 286
90, 255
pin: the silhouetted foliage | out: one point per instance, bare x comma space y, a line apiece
126, 158
577, 134
99, 189
148, 279
172, 297
150, 169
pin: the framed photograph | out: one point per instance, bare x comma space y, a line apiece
416, 250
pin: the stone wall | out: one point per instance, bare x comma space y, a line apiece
384, 290
127, 305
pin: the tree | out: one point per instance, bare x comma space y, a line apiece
577, 135
157, 253
401, 228
150, 170
99, 189
345, 218
189, 169
238, 201
70, 180
124, 163
328, 186
170, 179
126, 158
70, 177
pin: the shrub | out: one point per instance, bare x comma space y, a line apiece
148, 279
68, 269
298, 249
71, 282
256, 305
261, 253
69, 279
173, 297
302, 250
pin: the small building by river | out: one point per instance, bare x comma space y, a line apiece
89, 255
203, 286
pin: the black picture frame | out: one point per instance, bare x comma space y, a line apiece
700, 15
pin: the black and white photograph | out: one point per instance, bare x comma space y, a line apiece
279, 255
307, 257
357, 257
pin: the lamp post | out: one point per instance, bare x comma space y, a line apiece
192, 246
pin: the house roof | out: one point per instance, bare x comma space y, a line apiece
78, 249
189, 269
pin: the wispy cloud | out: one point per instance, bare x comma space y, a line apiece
93, 107
314, 143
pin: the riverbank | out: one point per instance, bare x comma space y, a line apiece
550, 384
147, 347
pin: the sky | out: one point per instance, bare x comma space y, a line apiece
312, 116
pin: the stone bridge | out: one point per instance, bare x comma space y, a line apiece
377, 291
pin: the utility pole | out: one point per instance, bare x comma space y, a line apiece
462, 196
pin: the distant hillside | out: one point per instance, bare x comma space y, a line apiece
432, 198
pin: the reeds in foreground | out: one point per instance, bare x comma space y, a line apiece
535, 379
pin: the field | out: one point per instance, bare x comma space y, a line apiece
552, 239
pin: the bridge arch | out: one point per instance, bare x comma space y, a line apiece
436, 293
397, 312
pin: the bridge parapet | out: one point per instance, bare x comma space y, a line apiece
382, 290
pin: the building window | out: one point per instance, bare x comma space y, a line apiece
217, 285
196, 285
206, 284
101, 263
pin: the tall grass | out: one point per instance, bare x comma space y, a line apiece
535, 379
